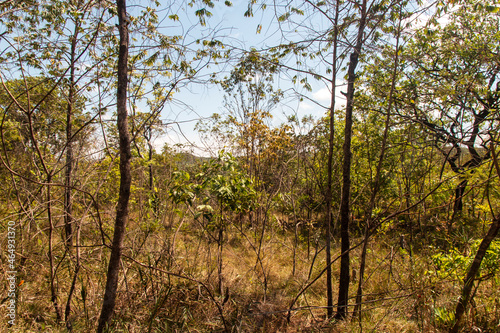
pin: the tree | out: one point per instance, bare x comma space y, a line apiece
379, 167
34, 110
448, 87
122, 211
55, 39
122, 208
453, 93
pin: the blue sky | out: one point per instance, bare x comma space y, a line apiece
199, 101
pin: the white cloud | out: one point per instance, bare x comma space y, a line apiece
324, 95
303, 106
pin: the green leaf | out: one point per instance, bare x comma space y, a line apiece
283, 17
206, 208
248, 13
201, 13
492, 9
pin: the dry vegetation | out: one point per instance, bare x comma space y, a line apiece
169, 284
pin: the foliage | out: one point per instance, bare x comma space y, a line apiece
220, 182
455, 263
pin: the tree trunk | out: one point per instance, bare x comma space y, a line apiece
67, 311
329, 213
471, 274
108, 304
53, 268
457, 204
68, 205
476, 264
459, 193
346, 173
376, 184
152, 191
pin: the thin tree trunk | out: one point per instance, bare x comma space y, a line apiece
476, 264
67, 311
376, 184
457, 204
68, 205
329, 213
346, 173
459, 193
53, 287
152, 191
219, 262
150, 160
465, 298
219, 254
108, 304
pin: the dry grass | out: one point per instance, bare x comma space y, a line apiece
260, 282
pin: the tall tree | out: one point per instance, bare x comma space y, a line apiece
349, 25
452, 94
388, 100
122, 208
34, 107
346, 168
56, 40
329, 190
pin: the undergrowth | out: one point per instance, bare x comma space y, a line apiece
169, 283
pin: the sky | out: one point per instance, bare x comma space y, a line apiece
195, 102
201, 101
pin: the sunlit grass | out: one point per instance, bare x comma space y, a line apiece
262, 274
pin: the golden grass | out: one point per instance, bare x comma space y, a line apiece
260, 282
